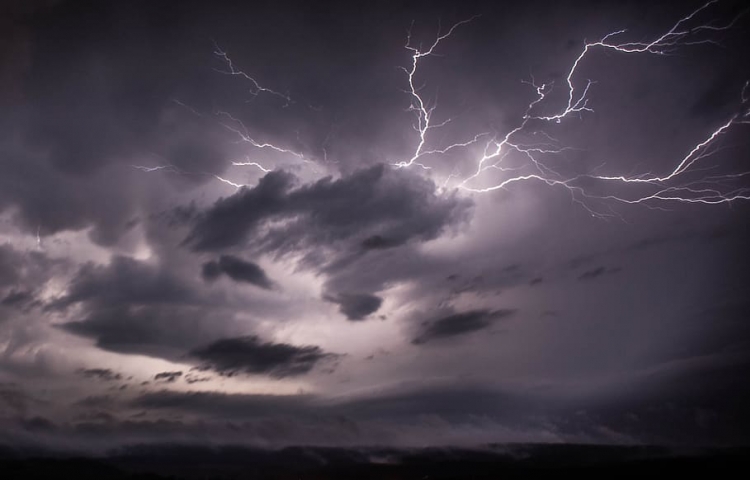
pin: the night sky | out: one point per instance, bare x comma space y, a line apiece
382, 223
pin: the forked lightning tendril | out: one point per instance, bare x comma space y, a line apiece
672, 186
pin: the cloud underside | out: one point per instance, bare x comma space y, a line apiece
238, 270
250, 355
356, 306
375, 208
135, 308
459, 324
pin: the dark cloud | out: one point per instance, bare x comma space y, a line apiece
103, 374
378, 242
23, 271
231, 405
96, 401
13, 398
356, 306
678, 236
130, 306
191, 378
232, 219
155, 330
8, 266
450, 402
125, 280
108, 104
598, 272
459, 324
717, 330
168, 377
82, 116
23, 275
15, 298
38, 424
238, 270
374, 203
231, 356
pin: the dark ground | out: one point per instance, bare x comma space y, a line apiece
314, 463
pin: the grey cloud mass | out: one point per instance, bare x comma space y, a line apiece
598, 272
130, 306
369, 202
232, 356
238, 270
103, 374
125, 280
356, 306
168, 377
460, 324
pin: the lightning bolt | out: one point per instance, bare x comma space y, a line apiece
229, 182
146, 169
248, 163
420, 106
237, 127
521, 154
174, 169
255, 87
233, 125
670, 187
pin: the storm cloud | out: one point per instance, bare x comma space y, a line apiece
103, 374
124, 280
204, 198
375, 202
460, 324
356, 306
250, 355
168, 377
129, 306
598, 272
238, 270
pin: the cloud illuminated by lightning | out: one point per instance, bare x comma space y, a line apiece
501, 152
236, 127
664, 188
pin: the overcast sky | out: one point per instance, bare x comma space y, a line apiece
393, 223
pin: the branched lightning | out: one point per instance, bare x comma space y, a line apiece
255, 87
233, 125
237, 127
420, 107
673, 186
521, 154
173, 169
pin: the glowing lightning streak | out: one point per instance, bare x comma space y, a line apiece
229, 182
710, 190
153, 169
173, 169
252, 164
497, 150
243, 133
236, 126
419, 106
255, 87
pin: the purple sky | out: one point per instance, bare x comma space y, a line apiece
278, 223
